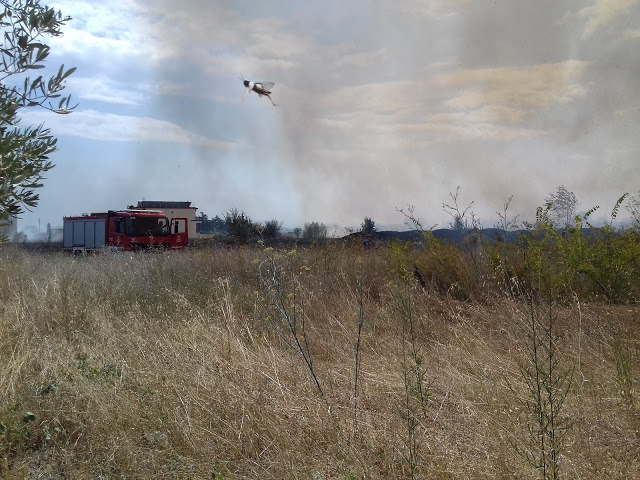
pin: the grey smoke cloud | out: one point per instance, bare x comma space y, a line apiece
381, 105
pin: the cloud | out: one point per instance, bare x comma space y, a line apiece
107, 90
604, 12
109, 30
361, 59
270, 38
108, 127
486, 124
433, 8
221, 35
524, 88
399, 98
224, 66
187, 91
491, 104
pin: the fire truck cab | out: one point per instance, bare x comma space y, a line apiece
126, 230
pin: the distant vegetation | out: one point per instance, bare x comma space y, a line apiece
475, 358
314, 231
238, 227
368, 226
213, 225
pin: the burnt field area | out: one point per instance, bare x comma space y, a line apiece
324, 361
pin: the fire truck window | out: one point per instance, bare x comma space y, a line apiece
146, 226
179, 226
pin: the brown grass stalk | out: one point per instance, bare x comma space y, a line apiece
158, 366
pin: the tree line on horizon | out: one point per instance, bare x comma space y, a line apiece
560, 211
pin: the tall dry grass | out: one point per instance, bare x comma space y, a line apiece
165, 366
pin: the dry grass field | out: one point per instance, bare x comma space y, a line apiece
321, 363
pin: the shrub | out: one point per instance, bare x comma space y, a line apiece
240, 227
314, 231
271, 228
368, 226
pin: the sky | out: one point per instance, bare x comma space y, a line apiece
382, 106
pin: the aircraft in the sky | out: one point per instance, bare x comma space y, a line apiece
261, 88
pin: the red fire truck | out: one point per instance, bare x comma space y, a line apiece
124, 230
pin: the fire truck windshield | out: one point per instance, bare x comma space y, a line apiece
147, 226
